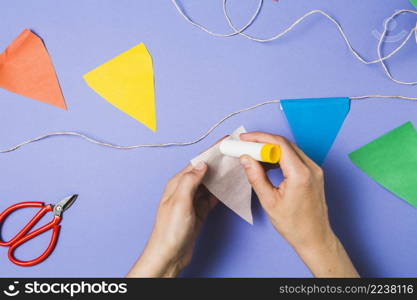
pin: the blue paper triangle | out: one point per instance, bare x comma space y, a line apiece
315, 123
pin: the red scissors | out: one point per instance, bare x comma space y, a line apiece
23, 236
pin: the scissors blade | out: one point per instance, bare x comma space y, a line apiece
64, 204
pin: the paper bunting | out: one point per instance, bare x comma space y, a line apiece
26, 69
315, 123
391, 160
226, 179
127, 82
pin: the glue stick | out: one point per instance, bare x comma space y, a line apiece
261, 152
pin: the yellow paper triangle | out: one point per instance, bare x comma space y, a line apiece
127, 82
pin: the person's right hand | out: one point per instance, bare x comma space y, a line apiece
297, 207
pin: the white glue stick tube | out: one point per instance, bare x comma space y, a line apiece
261, 152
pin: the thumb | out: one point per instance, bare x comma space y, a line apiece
258, 179
189, 181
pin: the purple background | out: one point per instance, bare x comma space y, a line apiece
199, 79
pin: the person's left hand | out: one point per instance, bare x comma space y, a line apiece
184, 206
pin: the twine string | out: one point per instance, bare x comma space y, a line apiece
170, 144
381, 59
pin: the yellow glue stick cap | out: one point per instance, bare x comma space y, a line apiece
271, 153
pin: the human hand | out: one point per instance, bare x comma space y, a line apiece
183, 208
297, 207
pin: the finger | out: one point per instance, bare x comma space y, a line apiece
188, 168
315, 168
204, 202
173, 182
208, 195
304, 156
190, 181
258, 179
290, 162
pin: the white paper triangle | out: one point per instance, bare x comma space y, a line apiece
226, 179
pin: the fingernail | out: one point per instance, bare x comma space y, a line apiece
244, 161
200, 166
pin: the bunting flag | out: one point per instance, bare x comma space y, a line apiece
127, 82
391, 160
414, 2
315, 123
26, 69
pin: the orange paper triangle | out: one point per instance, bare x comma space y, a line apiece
26, 69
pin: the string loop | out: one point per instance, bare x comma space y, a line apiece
381, 59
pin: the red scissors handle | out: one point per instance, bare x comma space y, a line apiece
23, 237
55, 232
32, 222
